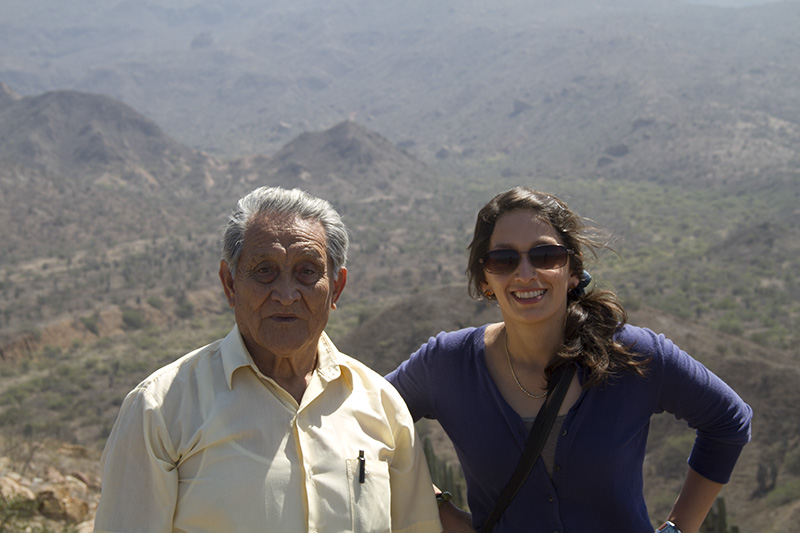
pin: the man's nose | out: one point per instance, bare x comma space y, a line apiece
285, 290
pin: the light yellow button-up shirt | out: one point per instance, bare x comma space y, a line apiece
208, 443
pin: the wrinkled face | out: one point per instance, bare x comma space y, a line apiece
283, 289
528, 295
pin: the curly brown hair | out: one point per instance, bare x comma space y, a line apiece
592, 316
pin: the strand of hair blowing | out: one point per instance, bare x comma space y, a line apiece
592, 320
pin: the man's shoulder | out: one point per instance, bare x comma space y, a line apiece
369, 380
375, 390
365, 373
181, 369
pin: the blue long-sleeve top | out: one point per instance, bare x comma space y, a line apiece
596, 482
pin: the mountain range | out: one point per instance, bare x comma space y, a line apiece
118, 280
129, 129
243, 77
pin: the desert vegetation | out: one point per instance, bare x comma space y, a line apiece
673, 126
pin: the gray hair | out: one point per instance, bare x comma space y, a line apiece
279, 201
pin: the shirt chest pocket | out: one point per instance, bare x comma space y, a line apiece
370, 495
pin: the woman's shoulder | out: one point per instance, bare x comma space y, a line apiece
438, 359
657, 348
447, 345
636, 338
640, 339
459, 338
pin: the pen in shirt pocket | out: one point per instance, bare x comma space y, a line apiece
362, 470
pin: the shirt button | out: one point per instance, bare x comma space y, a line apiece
563, 432
557, 468
550, 498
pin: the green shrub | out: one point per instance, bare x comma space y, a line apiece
133, 318
90, 323
54, 401
13, 416
185, 309
729, 324
792, 461
52, 352
16, 513
19, 514
784, 494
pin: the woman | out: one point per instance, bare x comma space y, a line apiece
486, 385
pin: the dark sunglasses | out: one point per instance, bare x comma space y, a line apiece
545, 257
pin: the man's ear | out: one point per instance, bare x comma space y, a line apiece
226, 277
338, 286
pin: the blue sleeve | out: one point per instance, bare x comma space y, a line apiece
693, 393
436, 370
412, 380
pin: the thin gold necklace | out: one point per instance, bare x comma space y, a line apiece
514, 374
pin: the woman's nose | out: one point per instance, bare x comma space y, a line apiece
526, 270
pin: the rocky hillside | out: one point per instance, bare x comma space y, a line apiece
345, 162
105, 279
47, 485
94, 141
81, 231
81, 170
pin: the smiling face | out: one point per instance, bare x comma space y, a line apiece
528, 295
283, 289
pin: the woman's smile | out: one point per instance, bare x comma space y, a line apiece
530, 294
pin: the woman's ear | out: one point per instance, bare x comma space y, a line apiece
574, 279
485, 289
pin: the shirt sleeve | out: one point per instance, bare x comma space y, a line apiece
140, 479
693, 393
414, 508
413, 377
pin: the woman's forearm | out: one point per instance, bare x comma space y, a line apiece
694, 501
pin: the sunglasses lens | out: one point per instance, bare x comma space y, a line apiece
501, 261
548, 257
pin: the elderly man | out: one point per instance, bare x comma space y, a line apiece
270, 428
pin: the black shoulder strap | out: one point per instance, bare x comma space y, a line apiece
559, 383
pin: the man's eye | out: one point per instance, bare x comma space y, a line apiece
265, 273
308, 275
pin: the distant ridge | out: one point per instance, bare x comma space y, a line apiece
93, 139
345, 161
68, 159
7, 96
78, 169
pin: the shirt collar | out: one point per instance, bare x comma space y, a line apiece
331, 363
